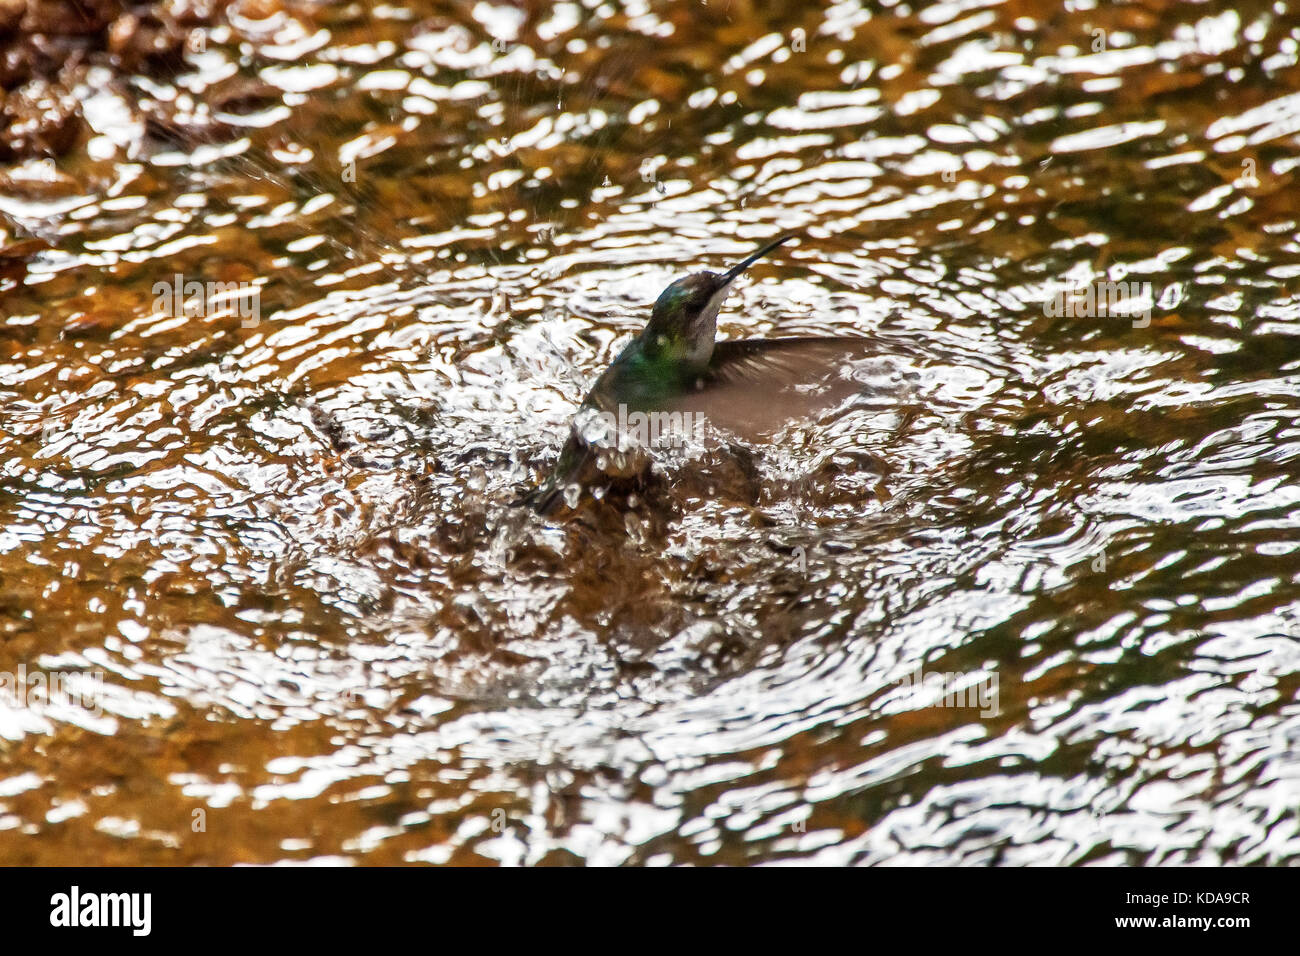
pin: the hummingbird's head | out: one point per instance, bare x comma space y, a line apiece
685, 316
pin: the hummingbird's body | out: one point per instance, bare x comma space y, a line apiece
674, 365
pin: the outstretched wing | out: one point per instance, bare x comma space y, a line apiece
753, 387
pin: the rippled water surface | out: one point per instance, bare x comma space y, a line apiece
277, 551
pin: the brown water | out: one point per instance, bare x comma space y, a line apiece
284, 540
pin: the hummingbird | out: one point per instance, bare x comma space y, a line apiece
676, 365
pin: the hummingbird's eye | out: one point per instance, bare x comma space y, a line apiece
684, 299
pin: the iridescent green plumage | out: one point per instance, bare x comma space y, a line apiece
675, 364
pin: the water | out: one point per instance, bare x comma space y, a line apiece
271, 548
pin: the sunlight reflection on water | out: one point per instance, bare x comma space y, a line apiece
288, 547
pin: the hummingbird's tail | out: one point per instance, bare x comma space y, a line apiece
549, 496
540, 500
545, 500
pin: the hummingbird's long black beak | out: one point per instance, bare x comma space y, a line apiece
730, 275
